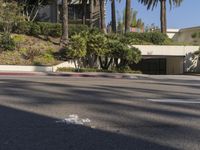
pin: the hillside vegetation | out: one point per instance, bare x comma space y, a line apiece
29, 50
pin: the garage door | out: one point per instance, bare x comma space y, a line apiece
151, 66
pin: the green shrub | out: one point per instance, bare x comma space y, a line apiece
145, 38
68, 69
7, 42
22, 27
45, 28
77, 49
156, 37
18, 38
194, 35
65, 69
97, 43
113, 70
35, 29
77, 28
50, 29
45, 59
124, 69
1, 27
30, 53
55, 30
11, 58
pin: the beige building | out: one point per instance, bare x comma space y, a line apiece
186, 35
167, 59
52, 12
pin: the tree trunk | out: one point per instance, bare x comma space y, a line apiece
64, 38
163, 19
116, 61
84, 7
127, 15
102, 15
91, 12
114, 28
105, 64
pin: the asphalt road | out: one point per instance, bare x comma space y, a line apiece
145, 113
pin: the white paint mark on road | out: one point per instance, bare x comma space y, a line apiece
186, 101
74, 119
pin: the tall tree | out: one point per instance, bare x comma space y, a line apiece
64, 38
102, 15
113, 19
127, 15
84, 11
163, 19
91, 12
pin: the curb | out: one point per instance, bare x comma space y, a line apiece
18, 74
89, 75
111, 76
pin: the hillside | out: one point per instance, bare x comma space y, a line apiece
31, 50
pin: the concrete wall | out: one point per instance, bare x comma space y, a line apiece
25, 68
166, 50
69, 64
15, 68
185, 35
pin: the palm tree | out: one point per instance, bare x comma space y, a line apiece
84, 11
153, 3
102, 15
91, 3
113, 18
64, 38
127, 15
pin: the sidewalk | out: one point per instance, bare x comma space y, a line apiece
192, 74
73, 74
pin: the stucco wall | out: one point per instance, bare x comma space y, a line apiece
69, 64
25, 68
16, 68
166, 50
185, 35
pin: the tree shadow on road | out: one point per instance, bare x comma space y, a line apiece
24, 130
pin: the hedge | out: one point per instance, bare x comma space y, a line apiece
156, 38
45, 28
55, 30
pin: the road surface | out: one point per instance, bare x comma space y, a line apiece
144, 113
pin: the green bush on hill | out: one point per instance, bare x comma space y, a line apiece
45, 28
6, 42
156, 38
55, 30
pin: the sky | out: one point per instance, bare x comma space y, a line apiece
187, 15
